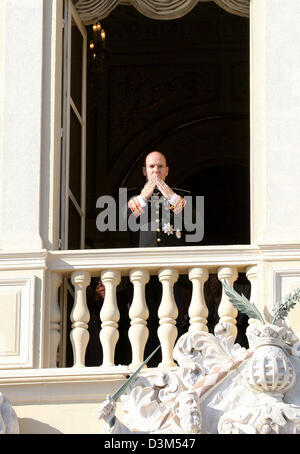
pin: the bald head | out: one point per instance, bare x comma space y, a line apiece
156, 155
156, 163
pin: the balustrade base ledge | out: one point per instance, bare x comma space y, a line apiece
63, 374
69, 374
63, 385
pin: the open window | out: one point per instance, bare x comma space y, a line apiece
73, 153
73, 164
180, 85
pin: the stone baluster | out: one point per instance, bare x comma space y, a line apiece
227, 312
109, 316
198, 311
80, 317
138, 313
251, 273
55, 318
167, 313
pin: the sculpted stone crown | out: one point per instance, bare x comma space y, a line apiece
259, 335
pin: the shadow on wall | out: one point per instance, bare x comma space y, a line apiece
33, 426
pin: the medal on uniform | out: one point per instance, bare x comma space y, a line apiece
168, 229
178, 234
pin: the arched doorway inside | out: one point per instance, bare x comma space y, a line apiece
181, 86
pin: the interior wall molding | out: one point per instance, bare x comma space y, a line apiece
91, 11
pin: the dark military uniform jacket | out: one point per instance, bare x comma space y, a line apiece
160, 223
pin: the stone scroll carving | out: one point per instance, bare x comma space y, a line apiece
91, 11
219, 387
8, 419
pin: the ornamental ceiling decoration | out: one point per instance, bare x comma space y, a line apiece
92, 10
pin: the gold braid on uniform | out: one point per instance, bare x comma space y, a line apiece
178, 205
135, 206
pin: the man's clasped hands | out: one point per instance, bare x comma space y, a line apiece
156, 182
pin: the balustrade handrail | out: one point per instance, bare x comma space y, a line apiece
68, 260
152, 259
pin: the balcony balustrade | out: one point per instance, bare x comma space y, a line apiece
197, 264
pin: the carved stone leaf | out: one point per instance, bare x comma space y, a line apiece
274, 412
190, 375
233, 350
254, 419
292, 412
187, 349
206, 350
143, 410
9, 423
172, 390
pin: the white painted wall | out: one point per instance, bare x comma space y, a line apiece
21, 124
30, 100
275, 69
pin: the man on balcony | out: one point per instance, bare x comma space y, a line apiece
155, 219
158, 208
